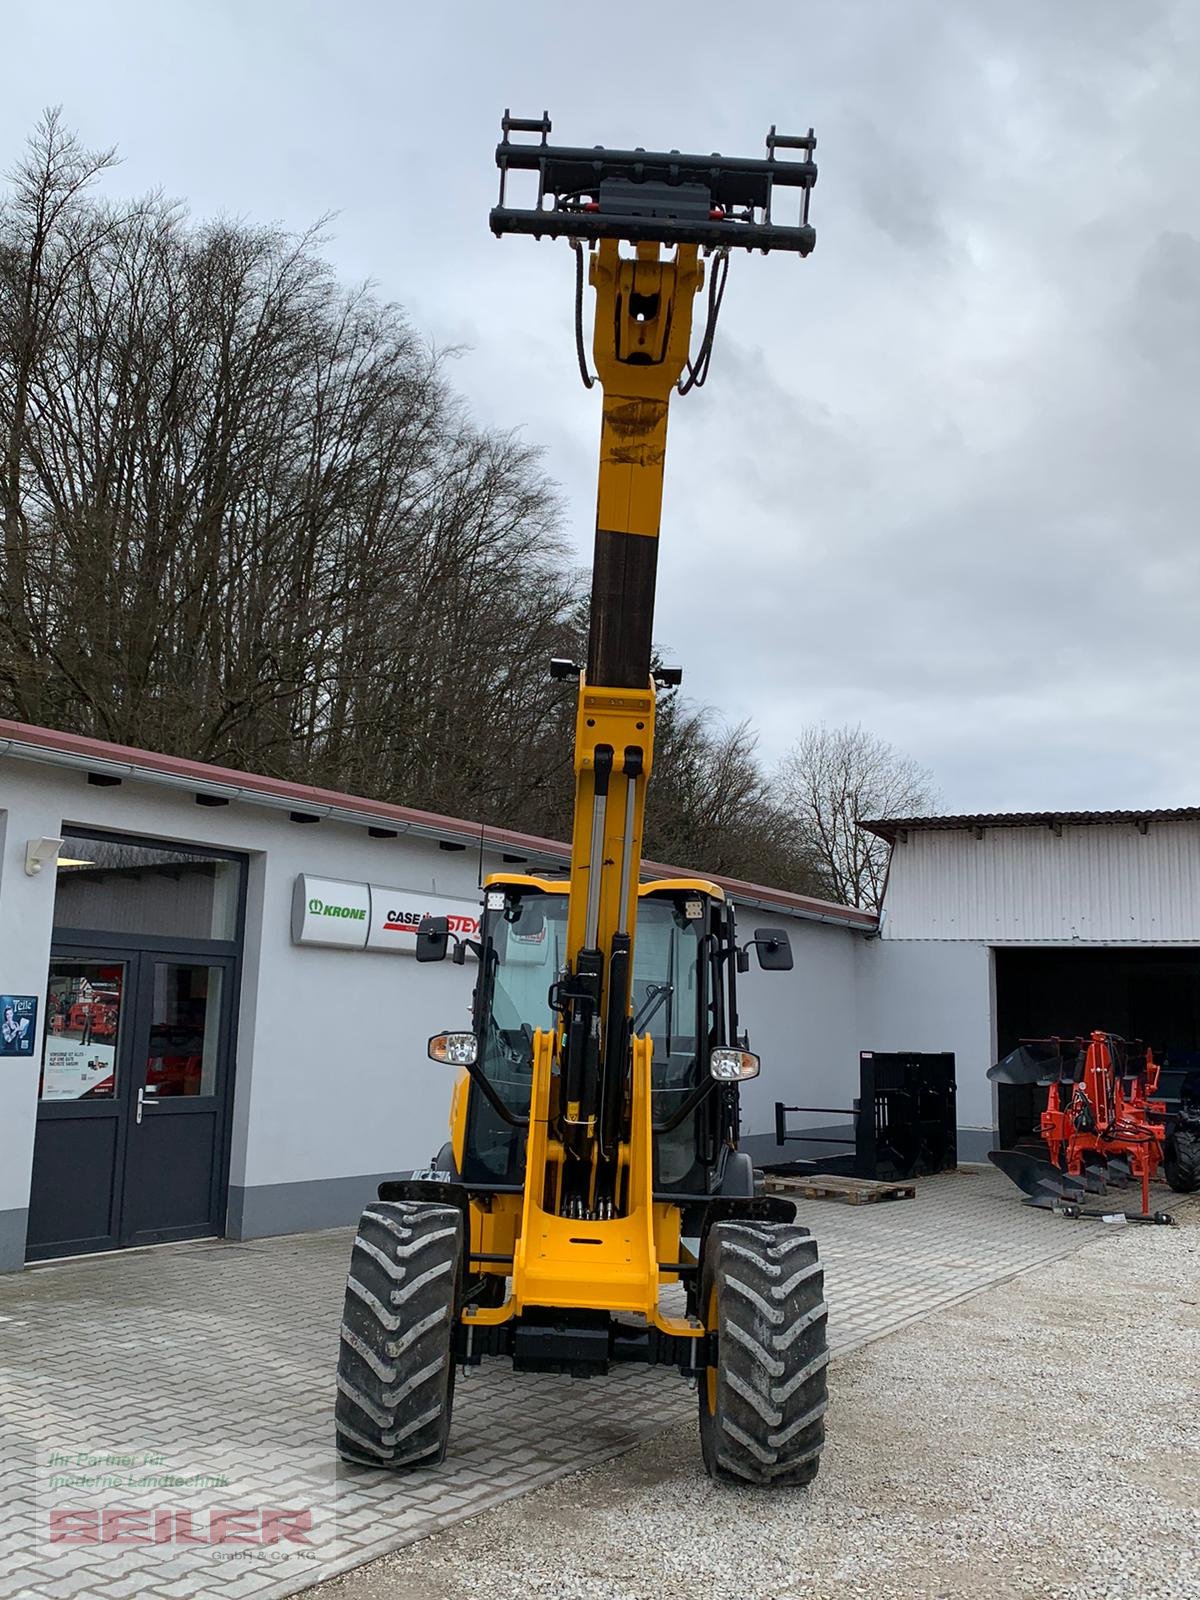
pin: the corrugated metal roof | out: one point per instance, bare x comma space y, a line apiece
50, 747
890, 827
1082, 885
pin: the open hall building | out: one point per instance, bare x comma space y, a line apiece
214, 1024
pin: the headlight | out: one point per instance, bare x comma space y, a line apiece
454, 1049
732, 1066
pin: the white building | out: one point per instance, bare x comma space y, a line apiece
173, 1064
1002, 927
205, 1074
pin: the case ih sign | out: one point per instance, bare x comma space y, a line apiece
371, 916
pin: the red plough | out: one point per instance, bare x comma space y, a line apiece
1102, 1125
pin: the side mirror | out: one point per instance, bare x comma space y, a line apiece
774, 949
433, 937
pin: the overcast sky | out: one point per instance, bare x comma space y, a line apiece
944, 477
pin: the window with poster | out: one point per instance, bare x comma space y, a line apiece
83, 1024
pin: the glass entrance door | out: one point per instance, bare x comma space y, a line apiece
80, 1127
173, 1145
134, 1101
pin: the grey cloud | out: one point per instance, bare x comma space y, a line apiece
944, 477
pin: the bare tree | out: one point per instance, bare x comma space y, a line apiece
833, 778
48, 229
711, 807
245, 518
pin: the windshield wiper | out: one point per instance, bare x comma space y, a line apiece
656, 993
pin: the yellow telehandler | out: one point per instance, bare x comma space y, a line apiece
593, 1161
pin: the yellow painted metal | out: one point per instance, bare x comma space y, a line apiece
621, 1272
525, 880
490, 1316
642, 336
616, 718
494, 1225
502, 880
643, 329
458, 1118
561, 1261
684, 885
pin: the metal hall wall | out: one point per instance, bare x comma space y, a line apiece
1104, 883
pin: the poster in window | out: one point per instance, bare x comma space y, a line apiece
83, 1008
18, 1024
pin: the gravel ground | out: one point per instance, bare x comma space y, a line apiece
1036, 1441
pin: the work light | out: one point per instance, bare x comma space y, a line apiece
728, 1065
454, 1049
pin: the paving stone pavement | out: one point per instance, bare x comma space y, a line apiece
199, 1379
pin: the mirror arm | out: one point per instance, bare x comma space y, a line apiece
743, 954
461, 946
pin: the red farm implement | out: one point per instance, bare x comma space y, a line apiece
1102, 1126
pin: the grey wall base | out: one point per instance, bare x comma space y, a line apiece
12, 1240
973, 1145
763, 1150
271, 1208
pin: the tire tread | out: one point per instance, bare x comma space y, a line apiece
395, 1377
772, 1353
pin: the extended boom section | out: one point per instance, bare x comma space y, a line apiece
643, 330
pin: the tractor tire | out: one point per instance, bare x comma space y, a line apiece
762, 1406
1181, 1162
395, 1375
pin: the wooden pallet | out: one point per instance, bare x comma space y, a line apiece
832, 1186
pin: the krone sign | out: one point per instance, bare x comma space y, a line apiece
361, 916
325, 911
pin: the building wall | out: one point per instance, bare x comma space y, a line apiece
333, 1090
1102, 884
934, 997
26, 914
804, 1026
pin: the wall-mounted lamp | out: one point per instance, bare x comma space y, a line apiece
38, 852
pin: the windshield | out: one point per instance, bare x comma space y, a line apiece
525, 943
525, 949
528, 943
666, 1005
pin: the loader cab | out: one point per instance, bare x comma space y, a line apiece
684, 996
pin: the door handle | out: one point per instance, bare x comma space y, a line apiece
142, 1102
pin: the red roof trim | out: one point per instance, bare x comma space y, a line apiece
148, 763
